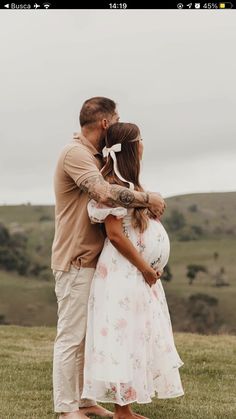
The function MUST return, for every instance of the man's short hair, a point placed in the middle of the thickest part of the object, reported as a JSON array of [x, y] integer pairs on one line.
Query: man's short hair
[[95, 109]]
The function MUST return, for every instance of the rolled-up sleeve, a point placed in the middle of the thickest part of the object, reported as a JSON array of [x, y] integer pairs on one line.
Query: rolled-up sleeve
[[80, 164]]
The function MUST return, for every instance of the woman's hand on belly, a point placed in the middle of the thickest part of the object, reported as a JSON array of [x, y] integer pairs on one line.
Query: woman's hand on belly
[[150, 276]]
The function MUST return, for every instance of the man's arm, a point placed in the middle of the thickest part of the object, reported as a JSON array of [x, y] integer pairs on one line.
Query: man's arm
[[115, 195], [80, 166]]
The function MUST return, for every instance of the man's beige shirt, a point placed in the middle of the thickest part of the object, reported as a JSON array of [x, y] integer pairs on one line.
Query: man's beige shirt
[[76, 240]]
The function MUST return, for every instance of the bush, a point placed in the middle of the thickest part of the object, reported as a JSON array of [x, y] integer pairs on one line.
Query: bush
[[13, 256], [202, 313], [175, 221], [18, 240], [193, 208], [4, 235], [197, 230], [3, 319], [45, 218], [192, 271], [36, 269], [14, 260], [167, 275], [189, 233]]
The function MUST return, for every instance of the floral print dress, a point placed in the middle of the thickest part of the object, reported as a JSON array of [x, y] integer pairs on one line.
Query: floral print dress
[[130, 355]]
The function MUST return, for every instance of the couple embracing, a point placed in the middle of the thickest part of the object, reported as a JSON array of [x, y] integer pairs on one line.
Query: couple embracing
[[114, 341]]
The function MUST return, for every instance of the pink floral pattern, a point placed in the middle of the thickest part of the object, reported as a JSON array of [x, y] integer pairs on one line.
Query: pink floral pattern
[[130, 353], [104, 331], [130, 394], [101, 270]]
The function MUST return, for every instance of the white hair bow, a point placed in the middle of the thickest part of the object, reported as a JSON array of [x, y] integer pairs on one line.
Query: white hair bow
[[116, 148]]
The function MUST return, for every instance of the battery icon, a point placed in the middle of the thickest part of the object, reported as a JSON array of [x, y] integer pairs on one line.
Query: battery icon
[[226, 5]]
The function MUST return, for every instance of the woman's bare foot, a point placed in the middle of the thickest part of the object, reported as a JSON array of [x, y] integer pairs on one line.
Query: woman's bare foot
[[124, 412], [97, 410], [73, 415]]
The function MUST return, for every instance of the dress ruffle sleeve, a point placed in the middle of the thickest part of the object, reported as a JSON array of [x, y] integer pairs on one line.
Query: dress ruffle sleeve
[[98, 212]]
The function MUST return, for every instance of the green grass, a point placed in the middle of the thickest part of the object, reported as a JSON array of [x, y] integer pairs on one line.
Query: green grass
[[216, 212], [208, 376], [32, 302], [201, 252], [27, 301], [24, 214]]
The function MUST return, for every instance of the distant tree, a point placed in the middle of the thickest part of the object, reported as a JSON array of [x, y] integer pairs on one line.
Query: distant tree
[[216, 255], [197, 230], [18, 240], [8, 258], [23, 265], [203, 313], [4, 235], [3, 319], [36, 269], [167, 275], [192, 271], [14, 260], [175, 221], [13, 255], [45, 217], [193, 208]]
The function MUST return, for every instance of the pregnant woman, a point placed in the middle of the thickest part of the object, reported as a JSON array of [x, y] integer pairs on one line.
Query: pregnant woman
[[130, 352]]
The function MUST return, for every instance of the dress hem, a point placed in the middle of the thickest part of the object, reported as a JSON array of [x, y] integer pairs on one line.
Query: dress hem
[[100, 400]]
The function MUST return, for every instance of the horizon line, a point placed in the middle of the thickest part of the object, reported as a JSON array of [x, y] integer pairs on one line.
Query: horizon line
[[29, 203]]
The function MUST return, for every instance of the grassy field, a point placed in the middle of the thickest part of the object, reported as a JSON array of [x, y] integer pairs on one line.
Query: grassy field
[[201, 252], [27, 301], [208, 376], [32, 302]]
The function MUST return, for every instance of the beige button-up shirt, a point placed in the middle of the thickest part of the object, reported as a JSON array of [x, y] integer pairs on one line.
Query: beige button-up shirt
[[76, 240]]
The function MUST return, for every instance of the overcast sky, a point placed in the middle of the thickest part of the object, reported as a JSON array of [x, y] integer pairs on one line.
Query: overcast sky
[[172, 72]]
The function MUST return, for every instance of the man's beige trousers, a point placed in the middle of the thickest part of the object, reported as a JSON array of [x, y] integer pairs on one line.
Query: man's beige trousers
[[72, 292]]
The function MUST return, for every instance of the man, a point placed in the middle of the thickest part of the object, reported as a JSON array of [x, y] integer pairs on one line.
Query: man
[[77, 245]]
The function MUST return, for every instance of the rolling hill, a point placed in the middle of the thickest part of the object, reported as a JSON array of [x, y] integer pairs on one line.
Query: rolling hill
[[202, 229]]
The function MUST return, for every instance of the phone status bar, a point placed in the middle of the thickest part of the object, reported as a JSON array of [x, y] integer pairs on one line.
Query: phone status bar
[[129, 4], [226, 5]]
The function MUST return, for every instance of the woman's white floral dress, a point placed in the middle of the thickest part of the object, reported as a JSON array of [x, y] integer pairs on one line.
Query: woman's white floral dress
[[130, 353]]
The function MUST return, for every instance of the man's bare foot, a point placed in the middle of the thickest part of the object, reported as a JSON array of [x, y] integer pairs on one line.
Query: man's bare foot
[[97, 410], [73, 415]]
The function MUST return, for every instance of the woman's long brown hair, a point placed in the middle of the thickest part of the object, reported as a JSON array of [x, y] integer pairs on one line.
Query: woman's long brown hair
[[128, 163]]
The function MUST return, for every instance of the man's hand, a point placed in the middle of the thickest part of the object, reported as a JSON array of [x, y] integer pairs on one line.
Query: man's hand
[[157, 204]]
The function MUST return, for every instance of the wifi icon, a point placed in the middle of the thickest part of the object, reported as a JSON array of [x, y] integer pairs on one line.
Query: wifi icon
[[46, 5]]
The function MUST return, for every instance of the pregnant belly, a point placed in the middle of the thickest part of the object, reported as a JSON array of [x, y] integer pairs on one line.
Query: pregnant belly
[[156, 245]]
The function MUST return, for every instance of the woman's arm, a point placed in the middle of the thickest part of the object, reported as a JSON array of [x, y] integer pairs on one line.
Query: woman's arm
[[115, 233]]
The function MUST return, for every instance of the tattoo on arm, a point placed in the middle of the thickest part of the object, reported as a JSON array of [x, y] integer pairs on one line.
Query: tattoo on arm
[[112, 195], [121, 195], [91, 186]]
